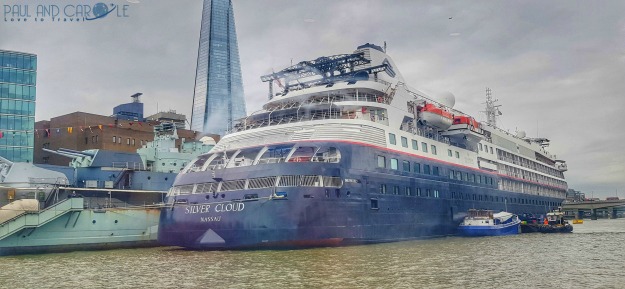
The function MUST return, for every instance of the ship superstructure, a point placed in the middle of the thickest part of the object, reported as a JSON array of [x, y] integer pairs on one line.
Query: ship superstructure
[[345, 152]]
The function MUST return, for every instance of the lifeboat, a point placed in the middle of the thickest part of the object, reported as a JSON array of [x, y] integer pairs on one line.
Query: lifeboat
[[470, 122], [435, 116]]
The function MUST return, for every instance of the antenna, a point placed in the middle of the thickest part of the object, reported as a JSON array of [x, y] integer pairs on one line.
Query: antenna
[[492, 111], [384, 46], [135, 97]]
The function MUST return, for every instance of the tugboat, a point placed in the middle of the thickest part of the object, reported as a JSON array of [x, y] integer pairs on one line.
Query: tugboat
[[553, 223], [485, 223]]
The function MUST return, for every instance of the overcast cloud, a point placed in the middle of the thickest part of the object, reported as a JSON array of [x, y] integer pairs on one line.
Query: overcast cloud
[[557, 67]]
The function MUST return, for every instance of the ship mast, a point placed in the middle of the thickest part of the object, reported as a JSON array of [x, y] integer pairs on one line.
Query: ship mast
[[492, 110]]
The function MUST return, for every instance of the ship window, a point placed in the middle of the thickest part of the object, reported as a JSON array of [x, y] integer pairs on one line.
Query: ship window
[[406, 166], [382, 188], [435, 171], [303, 154], [289, 181], [119, 140], [185, 190], [457, 155], [391, 138], [491, 150], [404, 142], [327, 155], [458, 175], [408, 191], [481, 148], [424, 147], [310, 181], [428, 193], [395, 190], [332, 182], [415, 145], [275, 155], [394, 164], [472, 178], [433, 149], [451, 174], [486, 148], [479, 179], [259, 183], [381, 162], [374, 204], [449, 153], [250, 196], [436, 195], [127, 141], [232, 185], [114, 139], [426, 169], [197, 164], [417, 168], [246, 157], [418, 192], [133, 141], [206, 188], [465, 177]]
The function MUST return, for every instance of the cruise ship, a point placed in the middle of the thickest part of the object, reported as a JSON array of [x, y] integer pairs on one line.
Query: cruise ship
[[345, 152]]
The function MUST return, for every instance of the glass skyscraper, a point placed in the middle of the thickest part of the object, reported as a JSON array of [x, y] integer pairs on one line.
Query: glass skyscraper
[[18, 74], [218, 99]]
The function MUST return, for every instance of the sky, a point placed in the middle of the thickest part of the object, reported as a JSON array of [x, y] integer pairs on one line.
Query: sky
[[556, 67]]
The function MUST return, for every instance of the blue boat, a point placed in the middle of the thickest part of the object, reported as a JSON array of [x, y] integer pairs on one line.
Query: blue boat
[[485, 223]]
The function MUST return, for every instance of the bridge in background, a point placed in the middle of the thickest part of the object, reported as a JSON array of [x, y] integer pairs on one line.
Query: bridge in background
[[579, 208]]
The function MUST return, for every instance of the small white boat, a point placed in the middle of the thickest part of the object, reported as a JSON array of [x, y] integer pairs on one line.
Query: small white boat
[[485, 223]]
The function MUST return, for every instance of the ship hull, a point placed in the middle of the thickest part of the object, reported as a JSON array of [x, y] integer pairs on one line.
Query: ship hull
[[495, 230], [359, 212], [87, 229]]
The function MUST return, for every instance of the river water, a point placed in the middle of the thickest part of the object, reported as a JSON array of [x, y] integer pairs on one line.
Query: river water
[[593, 256]]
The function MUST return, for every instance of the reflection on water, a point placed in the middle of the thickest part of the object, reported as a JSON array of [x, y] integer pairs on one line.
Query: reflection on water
[[593, 256]]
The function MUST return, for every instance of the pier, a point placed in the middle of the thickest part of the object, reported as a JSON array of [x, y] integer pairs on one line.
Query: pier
[[579, 208]]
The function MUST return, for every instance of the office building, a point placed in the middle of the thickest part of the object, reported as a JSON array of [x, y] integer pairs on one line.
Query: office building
[[218, 97], [18, 75]]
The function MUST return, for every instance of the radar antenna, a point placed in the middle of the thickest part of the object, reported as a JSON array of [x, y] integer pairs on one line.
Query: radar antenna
[[492, 111]]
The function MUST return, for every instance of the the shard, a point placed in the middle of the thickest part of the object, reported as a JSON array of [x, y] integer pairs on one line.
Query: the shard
[[218, 98]]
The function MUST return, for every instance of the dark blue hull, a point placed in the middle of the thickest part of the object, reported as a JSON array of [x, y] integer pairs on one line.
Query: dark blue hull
[[359, 212]]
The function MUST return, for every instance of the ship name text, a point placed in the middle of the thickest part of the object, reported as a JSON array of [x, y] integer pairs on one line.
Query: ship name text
[[217, 208]]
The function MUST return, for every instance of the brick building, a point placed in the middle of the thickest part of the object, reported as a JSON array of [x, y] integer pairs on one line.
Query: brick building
[[83, 131]]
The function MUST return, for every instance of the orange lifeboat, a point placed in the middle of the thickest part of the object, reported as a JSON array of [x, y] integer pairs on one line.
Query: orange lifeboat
[[467, 120], [435, 116]]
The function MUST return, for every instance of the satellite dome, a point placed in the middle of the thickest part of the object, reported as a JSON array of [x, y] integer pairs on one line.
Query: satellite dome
[[447, 99], [207, 140], [520, 134]]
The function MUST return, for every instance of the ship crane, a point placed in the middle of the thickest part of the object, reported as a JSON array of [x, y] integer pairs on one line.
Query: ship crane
[[324, 70]]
